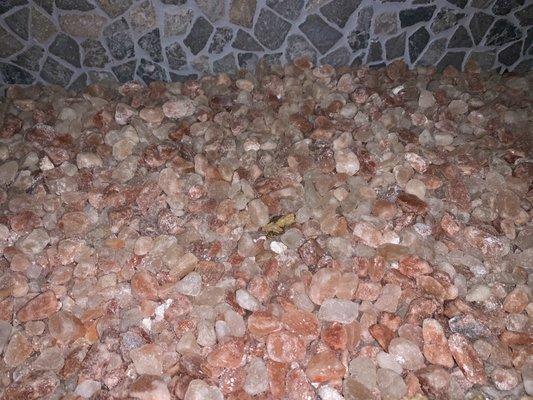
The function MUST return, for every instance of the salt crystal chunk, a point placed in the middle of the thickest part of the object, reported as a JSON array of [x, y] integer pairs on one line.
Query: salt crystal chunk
[[235, 323], [256, 377], [87, 388], [179, 108], [206, 333], [406, 353], [335, 310], [199, 390], [246, 300], [391, 384], [364, 371], [328, 393], [346, 162], [426, 99], [190, 285], [148, 359], [385, 360], [278, 247]]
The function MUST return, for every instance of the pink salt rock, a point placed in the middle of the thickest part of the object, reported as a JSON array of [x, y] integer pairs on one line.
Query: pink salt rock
[[301, 323], [277, 373], [40, 307], [285, 347], [324, 367], [34, 386], [144, 285], [323, 285], [435, 381], [123, 113], [74, 223], [505, 379], [17, 351], [517, 300], [436, 348], [413, 266], [148, 387], [262, 323], [148, 359], [406, 353], [65, 327], [466, 357], [179, 108], [368, 234], [489, 245], [229, 354], [298, 387]]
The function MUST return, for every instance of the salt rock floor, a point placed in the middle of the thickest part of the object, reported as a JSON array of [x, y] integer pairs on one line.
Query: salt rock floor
[[302, 233]]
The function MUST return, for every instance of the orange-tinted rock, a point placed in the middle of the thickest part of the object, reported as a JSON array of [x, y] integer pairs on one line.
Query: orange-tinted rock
[[33, 386], [466, 357], [449, 225], [435, 381], [144, 285], [411, 203], [384, 209], [436, 348], [40, 307], [323, 285], [369, 291], [262, 323], [276, 377], [285, 347], [335, 335], [229, 354], [516, 301], [74, 223], [301, 323], [413, 266], [231, 380], [298, 387], [324, 367], [382, 334], [17, 351], [65, 327]]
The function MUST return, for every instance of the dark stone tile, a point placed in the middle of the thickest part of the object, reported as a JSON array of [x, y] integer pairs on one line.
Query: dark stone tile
[[433, 53], [174, 2], [12, 74], [417, 43], [95, 54], [212, 9], [375, 52], [247, 61], [245, 41], [504, 7], [453, 58], [79, 84], [339, 11], [485, 59], [18, 22], [151, 43], [510, 54], [386, 23], [298, 46], [337, 58], [319, 33], [225, 64], [242, 12], [458, 3], [30, 58], [358, 61], [114, 8], [524, 66], [56, 73], [525, 15], [178, 22], [9, 45], [364, 19], [415, 15], [445, 19], [528, 41], [479, 24], [358, 40], [46, 5], [273, 58], [502, 32], [182, 78], [150, 72], [142, 17], [395, 46], [118, 39], [481, 4], [222, 36], [176, 55], [460, 38], [270, 30], [289, 9], [7, 5], [199, 35], [66, 48], [78, 5], [41, 27], [124, 72]]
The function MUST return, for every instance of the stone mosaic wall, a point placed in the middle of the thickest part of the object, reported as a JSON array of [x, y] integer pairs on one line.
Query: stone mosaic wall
[[74, 42]]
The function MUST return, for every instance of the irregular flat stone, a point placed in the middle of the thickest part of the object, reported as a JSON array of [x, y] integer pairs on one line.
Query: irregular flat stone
[[339, 11], [375, 52], [56, 73], [433, 53], [502, 32], [417, 43], [18, 22], [177, 23], [30, 58], [248, 61], [15, 75], [242, 12], [337, 58], [213, 9], [124, 72], [509, 55], [46, 5], [222, 36], [8, 5], [79, 83], [119, 40], [319, 33], [245, 41], [458, 3], [289, 9], [199, 35], [525, 16], [479, 24], [225, 64], [149, 72], [87, 25], [504, 7], [386, 23], [364, 19], [42, 28], [95, 54], [142, 17], [298, 46], [270, 29], [66, 48], [395, 46], [151, 43], [413, 16], [358, 40], [460, 38], [485, 59], [175, 55], [453, 58], [9, 45], [445, 19], [104, 77], [114, 8], [40, 307], [77, 5]]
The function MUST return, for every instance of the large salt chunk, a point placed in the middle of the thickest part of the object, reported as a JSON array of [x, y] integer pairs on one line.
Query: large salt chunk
[[256, 377], [199, 390], [246, 300], [346, 162], [335, 310]]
